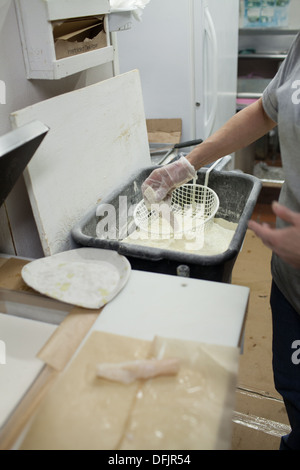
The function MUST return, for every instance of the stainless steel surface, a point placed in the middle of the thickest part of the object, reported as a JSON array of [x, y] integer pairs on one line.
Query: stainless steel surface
[[157, 147], [249, 95], [268, 31], [266, 55], [163, 153], [156, 159], [16, 150], [210, 168], [33, 306]]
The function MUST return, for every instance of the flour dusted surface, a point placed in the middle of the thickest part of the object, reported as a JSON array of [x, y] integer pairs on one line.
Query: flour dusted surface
[[215, 239]]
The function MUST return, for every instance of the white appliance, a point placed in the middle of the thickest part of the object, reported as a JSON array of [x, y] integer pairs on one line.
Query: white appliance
[[186, 52]]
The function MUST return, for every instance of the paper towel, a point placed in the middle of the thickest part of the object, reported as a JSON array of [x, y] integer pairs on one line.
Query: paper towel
[[136, 6]]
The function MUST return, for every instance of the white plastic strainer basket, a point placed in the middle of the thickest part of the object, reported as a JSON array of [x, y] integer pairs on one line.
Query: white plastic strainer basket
[[192, 206]]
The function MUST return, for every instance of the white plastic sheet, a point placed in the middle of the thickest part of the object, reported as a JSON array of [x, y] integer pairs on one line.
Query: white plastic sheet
[[136, 6]]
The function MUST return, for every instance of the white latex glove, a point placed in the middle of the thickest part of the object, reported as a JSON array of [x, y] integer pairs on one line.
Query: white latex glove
[[163, 180]]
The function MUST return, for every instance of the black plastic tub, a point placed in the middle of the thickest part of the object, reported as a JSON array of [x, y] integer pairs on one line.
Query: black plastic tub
[[237, 193]]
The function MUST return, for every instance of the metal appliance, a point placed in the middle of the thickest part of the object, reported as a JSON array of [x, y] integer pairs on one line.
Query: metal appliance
[[16, 150]]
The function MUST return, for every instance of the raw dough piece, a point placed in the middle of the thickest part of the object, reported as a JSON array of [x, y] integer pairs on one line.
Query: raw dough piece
[[86, 277], [81, 412], [127, 372], [190, 410], [86, 284]]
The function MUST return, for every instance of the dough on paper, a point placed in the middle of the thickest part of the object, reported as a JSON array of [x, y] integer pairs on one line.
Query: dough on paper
[[190, 410]]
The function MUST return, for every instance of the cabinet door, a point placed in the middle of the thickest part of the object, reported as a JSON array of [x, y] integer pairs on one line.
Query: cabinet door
[[36, 19], [186, 51], [216, 52], [161, 47], [58, 9]]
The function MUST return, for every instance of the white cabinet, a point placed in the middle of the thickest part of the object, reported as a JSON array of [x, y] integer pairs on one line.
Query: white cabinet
[[186, 53], [62, 37]]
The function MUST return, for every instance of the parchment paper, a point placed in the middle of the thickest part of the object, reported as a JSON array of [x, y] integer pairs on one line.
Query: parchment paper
[[82, 411], [189, 411]]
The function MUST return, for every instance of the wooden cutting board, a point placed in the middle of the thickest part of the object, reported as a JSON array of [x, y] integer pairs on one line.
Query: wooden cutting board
[[97, 139]]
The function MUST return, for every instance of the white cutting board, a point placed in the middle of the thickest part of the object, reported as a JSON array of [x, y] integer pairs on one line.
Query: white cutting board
[[176, 307], [97, 139], [23, 339]]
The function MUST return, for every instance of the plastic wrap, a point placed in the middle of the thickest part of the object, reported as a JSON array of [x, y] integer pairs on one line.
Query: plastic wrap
[[192, 410], [136, 6], [189, 410]]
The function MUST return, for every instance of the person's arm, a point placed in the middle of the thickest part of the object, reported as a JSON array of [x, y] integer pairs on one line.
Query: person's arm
[[241, 130]]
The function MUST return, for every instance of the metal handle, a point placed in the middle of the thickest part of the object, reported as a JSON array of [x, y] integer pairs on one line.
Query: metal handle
[[188, 143], [210, 169]]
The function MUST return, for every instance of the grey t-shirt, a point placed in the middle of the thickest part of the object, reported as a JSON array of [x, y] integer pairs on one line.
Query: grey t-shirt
[[281, 101]]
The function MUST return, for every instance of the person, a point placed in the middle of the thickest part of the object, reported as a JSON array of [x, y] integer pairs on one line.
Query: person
[[278, 106]]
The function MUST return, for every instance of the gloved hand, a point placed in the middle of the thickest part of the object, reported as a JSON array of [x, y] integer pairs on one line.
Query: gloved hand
[[163, 180]]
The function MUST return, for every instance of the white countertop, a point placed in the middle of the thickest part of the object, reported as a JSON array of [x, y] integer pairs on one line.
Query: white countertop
[[152, 304], [193, 309]]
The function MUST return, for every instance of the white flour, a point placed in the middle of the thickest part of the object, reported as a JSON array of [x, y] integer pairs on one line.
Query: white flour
[[215, 239]]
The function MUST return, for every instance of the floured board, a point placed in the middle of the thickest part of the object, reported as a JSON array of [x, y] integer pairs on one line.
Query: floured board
[[97, 139]]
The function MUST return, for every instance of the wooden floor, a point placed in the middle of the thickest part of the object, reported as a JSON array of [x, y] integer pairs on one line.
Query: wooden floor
[[263, 214], [260, 418]]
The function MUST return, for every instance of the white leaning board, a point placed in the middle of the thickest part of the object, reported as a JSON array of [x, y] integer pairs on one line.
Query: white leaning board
[[97, 139]]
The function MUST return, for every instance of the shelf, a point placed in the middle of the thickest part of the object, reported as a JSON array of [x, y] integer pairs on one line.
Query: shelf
[[268, 31], [263, 55], [246, 95], [83, 40]]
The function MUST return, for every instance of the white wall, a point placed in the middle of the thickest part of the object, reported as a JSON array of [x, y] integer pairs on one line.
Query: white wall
[[18, 234]]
